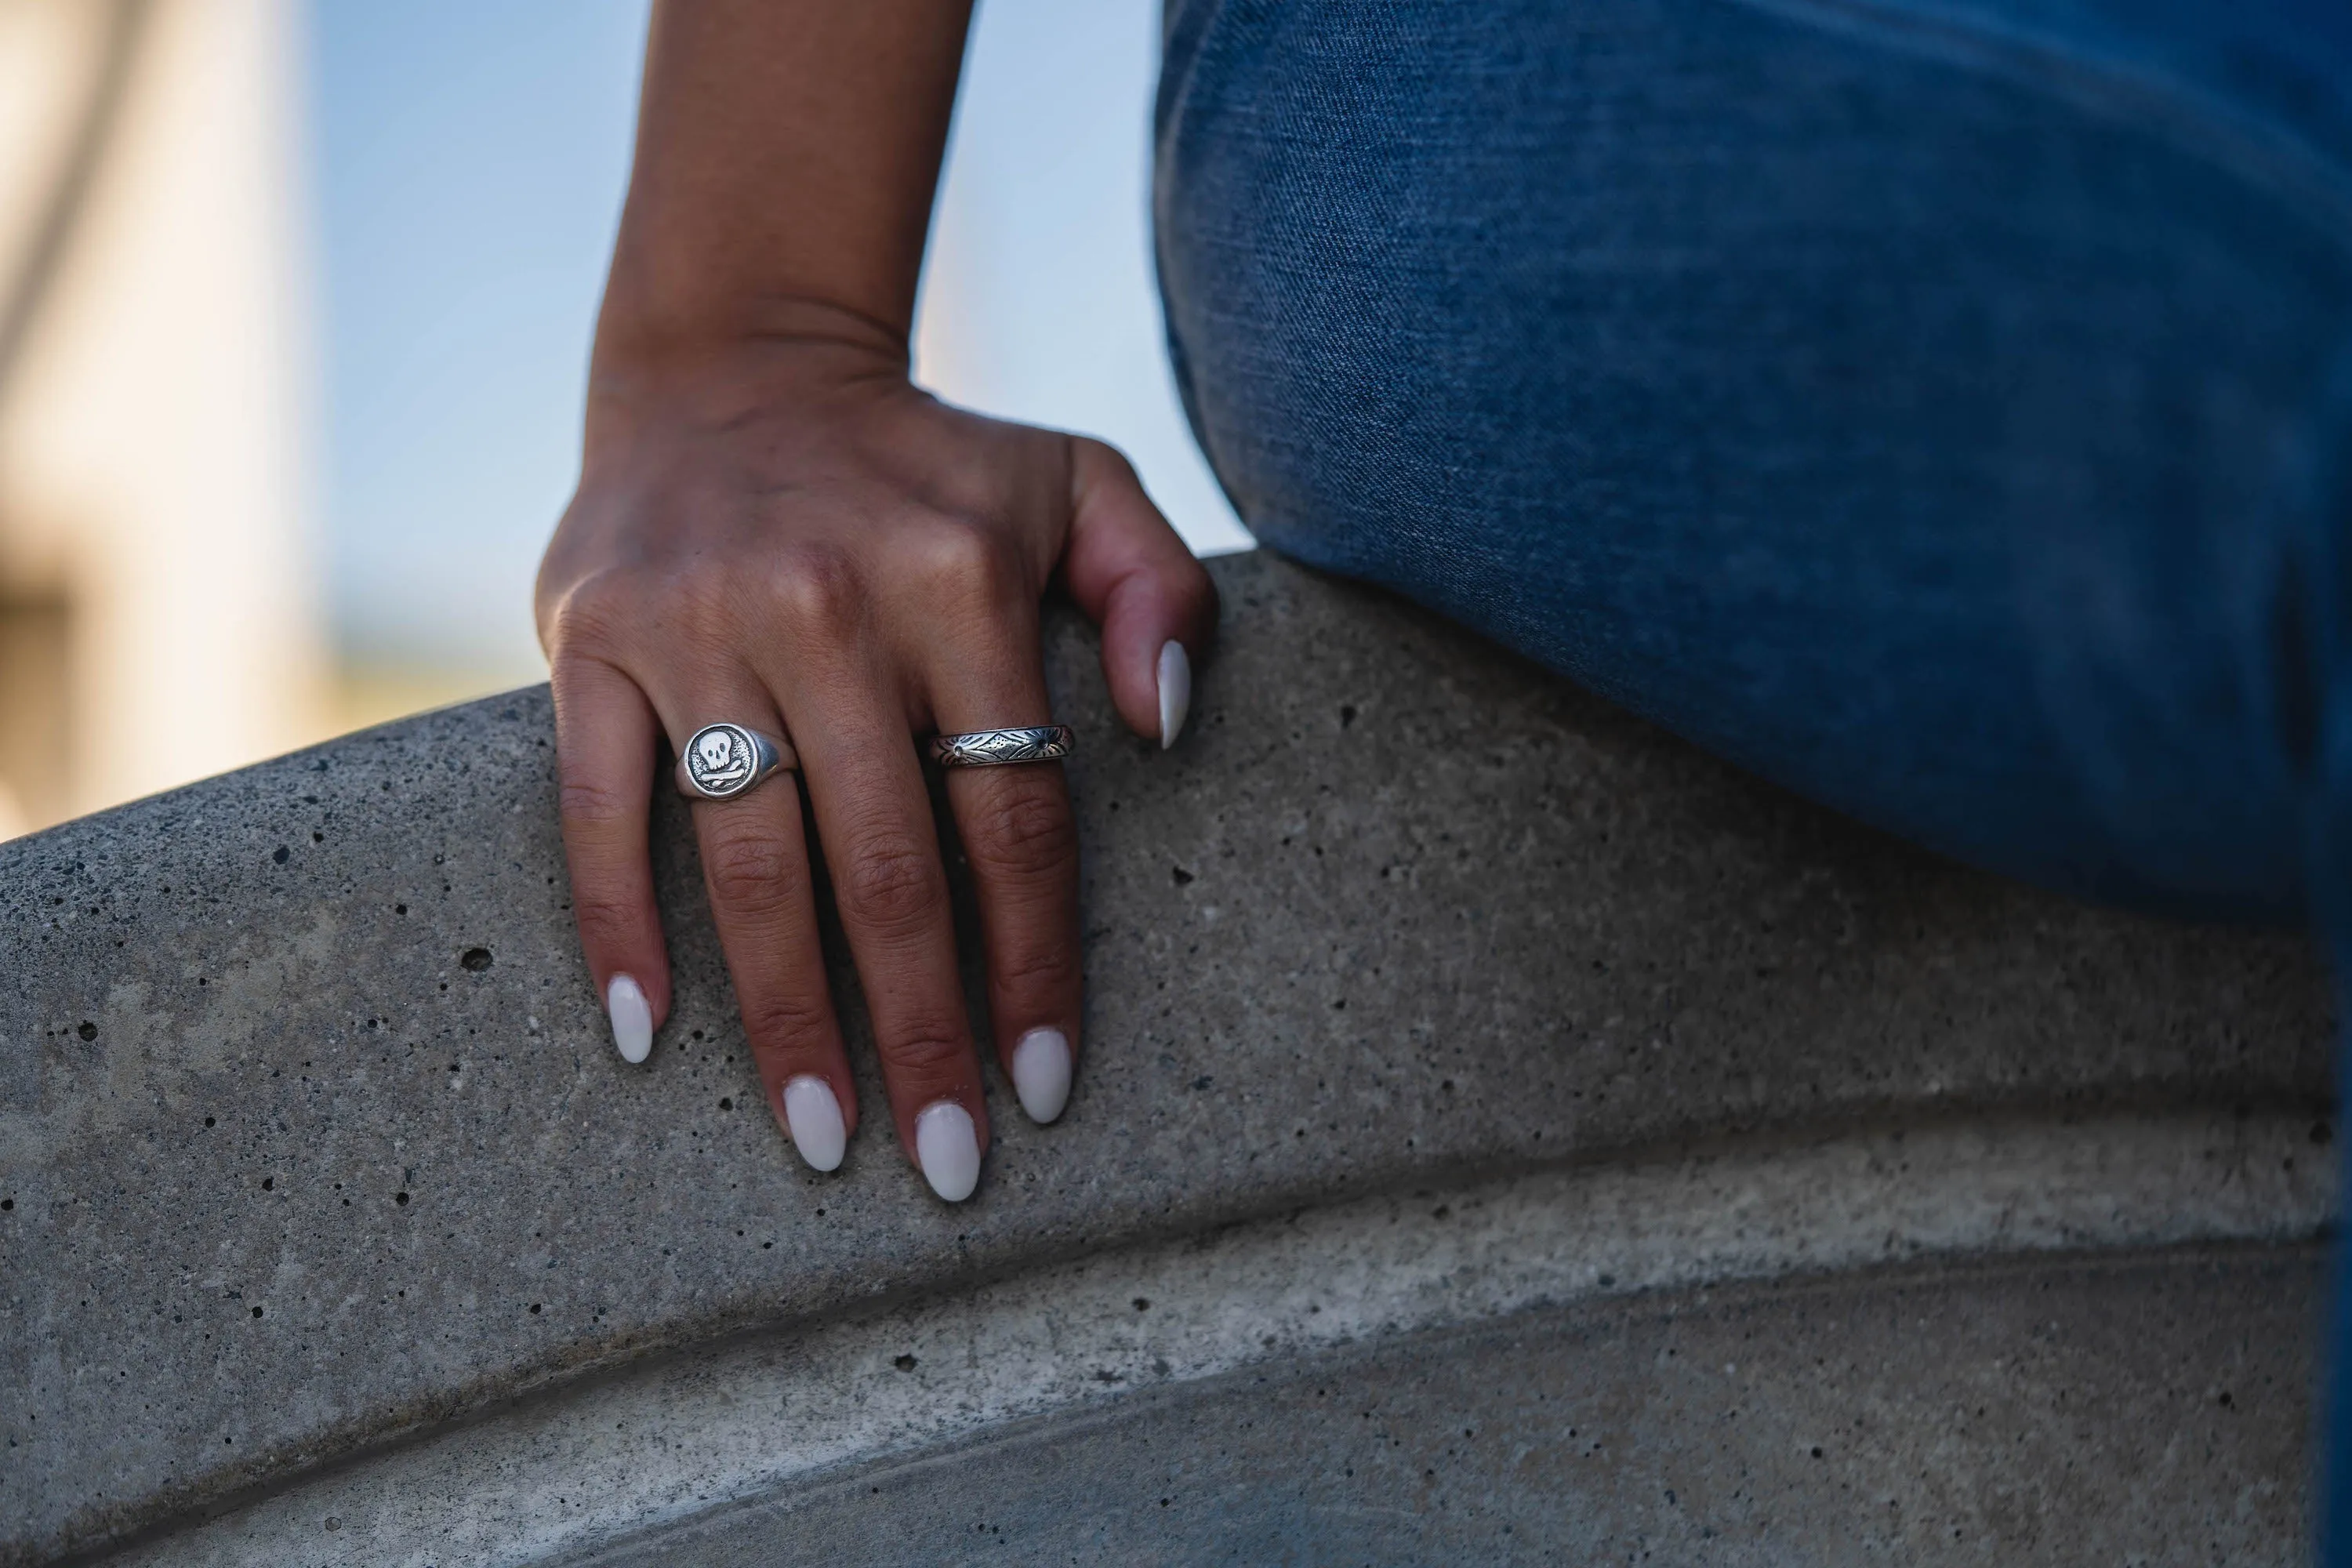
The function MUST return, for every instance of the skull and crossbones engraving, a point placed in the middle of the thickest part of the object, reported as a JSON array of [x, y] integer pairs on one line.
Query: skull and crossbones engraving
[[719, 758]]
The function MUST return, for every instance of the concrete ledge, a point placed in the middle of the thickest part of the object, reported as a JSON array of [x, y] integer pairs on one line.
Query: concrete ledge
[[312, 1138], [767, 1421], [1938, 1415]]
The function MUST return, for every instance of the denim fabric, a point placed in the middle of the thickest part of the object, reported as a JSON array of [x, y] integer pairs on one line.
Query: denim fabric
[[1919, 414], [1942, 409]]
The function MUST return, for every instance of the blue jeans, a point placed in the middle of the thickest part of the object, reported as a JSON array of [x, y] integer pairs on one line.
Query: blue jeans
[[1942, 407]]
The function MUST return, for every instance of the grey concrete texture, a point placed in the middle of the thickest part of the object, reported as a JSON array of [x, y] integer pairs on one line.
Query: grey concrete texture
[[649, 1447], [2148, 1411], [312, 1135]]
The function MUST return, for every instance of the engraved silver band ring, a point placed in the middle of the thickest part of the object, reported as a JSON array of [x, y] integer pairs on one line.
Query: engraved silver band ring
[[996, 748], [723, 761]]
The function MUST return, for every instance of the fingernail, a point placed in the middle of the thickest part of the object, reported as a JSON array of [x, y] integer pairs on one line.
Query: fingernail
[[1175, 691], [633, 1018], [815, 1117], [947, 1149], [1041, 1073]]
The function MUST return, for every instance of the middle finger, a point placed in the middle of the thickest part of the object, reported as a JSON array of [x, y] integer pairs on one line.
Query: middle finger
[[874, 820]]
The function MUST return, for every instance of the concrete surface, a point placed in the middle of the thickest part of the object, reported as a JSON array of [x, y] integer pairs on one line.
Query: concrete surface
[[311, 1143], [1936, 1419], [755, 1426]]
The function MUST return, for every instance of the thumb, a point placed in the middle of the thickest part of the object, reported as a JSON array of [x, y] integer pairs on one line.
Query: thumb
[[1139, 581]]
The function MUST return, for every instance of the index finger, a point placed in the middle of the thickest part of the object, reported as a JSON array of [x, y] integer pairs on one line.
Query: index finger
[[604, 739]]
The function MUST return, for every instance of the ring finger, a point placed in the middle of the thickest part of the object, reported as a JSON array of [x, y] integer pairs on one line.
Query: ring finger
[[1023, 843]]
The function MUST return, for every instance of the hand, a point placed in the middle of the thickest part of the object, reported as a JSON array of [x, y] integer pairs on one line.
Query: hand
[[785, 533]]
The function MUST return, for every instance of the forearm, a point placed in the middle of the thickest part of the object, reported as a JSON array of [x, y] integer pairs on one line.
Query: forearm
[[787, 153]]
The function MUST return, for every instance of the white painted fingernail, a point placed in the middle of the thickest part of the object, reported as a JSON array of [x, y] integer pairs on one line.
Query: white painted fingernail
[[815, 1117], [1041, 1073], [949, 1150], [1175, 691], [633, 1018]]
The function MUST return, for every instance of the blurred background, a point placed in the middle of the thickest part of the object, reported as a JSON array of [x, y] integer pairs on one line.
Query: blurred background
[[295, 302]]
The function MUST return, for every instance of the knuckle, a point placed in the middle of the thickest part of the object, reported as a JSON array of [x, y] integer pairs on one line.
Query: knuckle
[[1110, 459], [593, 618], [1197, 592], [1047, 970], [594, 803], [964, 563], [1023, 831], [751, 874], [606, 922], [816, 585], [928, 1057], [618, 617], [787, 1021], [951, 547], [890, 885]]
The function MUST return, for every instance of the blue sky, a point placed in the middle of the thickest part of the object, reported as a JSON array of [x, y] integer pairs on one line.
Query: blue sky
[[468, 162]]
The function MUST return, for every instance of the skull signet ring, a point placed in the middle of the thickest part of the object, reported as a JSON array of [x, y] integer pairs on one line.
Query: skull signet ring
[[720, 762]]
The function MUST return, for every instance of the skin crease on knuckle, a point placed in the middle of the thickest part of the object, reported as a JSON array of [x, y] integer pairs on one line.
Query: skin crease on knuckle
[[753, 873], [607, 925], [925, 1063], [793, 1026], [1023, 831], [1038, 975], [889, 886], [592, 802]]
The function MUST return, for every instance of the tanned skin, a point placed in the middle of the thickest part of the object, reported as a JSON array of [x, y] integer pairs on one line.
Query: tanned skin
[[776, 527]]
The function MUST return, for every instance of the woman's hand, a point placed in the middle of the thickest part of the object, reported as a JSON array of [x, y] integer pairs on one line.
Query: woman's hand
[[774, 529], [782, 532]]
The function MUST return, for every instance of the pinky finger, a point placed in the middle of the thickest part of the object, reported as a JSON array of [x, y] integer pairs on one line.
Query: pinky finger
[[604, 736]]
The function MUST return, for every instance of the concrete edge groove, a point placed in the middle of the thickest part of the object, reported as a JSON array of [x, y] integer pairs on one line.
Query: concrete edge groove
[[561, 1477]]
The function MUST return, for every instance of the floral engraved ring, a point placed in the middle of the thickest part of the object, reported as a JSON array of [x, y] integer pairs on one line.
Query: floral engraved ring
[[997, 748]]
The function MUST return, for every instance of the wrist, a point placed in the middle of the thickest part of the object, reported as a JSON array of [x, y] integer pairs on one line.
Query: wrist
[[775, 351], [640, 339]]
